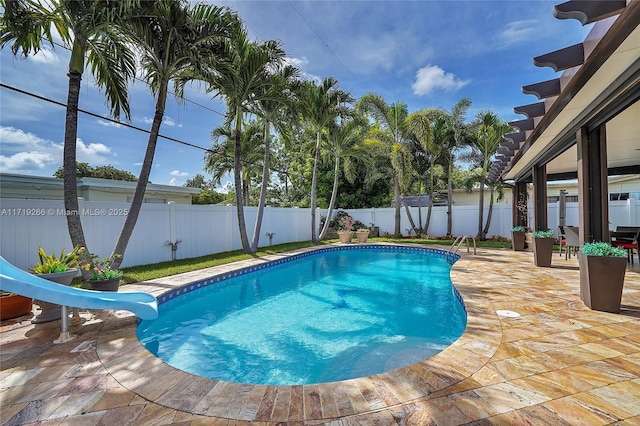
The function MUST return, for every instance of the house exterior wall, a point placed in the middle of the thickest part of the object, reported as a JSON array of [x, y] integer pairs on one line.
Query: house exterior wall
[[617, 185], [91, 189]]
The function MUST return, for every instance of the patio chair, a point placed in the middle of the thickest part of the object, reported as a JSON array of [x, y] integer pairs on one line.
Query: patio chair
[[572, 240], [629, 244], [561, 239]]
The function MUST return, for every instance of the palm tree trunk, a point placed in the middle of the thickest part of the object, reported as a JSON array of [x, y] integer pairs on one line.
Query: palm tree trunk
[[237, 171], [407, 209], [420, 227], [263, 190], [314, 185], [74, 223], [480, 210], [450, 197], [489, 214], [245, 190], [141, 186], [334, 195], [396, 198], [429, 211]]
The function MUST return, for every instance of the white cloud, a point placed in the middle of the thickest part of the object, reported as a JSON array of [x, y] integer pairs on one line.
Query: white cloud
[[517, 32], [109, 123], [25, 140], [94, 153], [166, 121], [24, 151], [178, 173], [173, 182], [297, 62], [45, 56], [432, 77], [25, 161]]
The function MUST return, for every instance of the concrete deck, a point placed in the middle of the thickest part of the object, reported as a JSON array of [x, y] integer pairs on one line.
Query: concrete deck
[[557, 363]]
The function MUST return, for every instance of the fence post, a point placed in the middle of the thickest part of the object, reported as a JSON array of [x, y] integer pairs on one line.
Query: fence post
[[229, 226]]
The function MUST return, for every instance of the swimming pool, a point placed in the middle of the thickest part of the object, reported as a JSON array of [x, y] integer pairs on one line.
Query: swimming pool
[[328, 315]]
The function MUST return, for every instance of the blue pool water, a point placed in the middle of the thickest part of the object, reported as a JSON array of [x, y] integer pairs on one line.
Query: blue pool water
[[332, 315]]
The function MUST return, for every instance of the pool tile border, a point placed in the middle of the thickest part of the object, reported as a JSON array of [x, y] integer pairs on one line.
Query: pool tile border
[[223, 276]]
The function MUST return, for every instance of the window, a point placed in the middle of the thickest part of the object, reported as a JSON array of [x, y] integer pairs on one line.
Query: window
[[150, 200], [618, 196]]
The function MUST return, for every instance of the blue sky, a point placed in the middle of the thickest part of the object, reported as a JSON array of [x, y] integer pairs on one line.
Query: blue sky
[[425, 53]]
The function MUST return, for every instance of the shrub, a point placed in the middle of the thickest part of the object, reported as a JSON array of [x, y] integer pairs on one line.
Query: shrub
[[543, 234], [602, 249]]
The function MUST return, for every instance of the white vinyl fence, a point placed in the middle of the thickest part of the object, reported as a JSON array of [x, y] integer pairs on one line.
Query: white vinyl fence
[[27, 224]]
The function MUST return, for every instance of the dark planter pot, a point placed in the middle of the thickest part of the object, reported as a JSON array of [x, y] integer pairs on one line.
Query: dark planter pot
[[14, 305], [543, 251], [517, 240], [601, 282], [51, 311], [104, 285]]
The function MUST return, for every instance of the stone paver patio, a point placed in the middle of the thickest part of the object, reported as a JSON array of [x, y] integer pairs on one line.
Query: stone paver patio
[[558, 363]]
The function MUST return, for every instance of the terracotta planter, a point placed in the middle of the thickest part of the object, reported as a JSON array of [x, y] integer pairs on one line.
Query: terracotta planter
[[51, 311], [345, 236], [543, 251], [517, 240], [13, 305], [104, 285], [601, 281], [362, 236]]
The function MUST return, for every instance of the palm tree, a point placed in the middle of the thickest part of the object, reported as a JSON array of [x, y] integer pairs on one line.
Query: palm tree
[[485, 143], [343, 144], [454, 137], [219, 159], [93, 32], [174, 41], [273, 106], [419, 126], [320, 105], [242, 81], [390, 134]]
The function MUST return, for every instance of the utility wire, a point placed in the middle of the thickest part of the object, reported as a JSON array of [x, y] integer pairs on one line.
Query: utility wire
[[131, 126], [93, 114], [327, 46]]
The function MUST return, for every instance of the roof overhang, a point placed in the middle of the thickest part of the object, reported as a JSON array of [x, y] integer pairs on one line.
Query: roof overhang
[[605, 88]]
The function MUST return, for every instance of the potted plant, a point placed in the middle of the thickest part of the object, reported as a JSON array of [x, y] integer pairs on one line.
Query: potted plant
[[100, 275], [362, 234], [543, 247], [344, 226], [518, 237], [59, 269], [602, 270]]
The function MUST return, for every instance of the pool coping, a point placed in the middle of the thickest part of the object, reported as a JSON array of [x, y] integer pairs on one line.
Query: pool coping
[[152, 379]]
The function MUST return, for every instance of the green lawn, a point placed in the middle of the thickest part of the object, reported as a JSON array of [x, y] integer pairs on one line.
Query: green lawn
[[164, 269]]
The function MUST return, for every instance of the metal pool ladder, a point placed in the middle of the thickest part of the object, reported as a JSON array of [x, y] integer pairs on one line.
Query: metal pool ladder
[[459, 241]]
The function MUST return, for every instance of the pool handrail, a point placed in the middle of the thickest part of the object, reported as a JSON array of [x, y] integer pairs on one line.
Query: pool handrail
[[459, 241]]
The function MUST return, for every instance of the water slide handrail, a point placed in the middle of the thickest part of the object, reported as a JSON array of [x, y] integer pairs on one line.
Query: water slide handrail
[[15, 280]]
